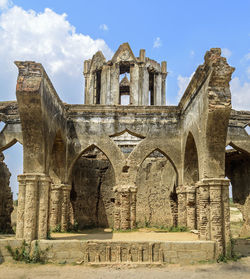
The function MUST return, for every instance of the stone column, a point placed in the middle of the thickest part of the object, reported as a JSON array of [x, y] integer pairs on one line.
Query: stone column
[[30, 212], [197, 206], [21, 206], [117, 209], [214, 213], [204, 208], [55, 200], [133, 208], [114, 84], [226, 216], [182, 213], [125, 209], [134, 85], [220, 214], [65, 206], [191, 205], [158, 92], [43, 213]]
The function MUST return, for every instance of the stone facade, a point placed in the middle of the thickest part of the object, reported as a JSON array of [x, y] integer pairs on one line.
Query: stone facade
[[184, 186]]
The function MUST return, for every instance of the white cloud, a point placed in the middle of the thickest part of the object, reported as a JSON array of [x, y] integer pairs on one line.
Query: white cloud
[[104, 27], [192, 53], [225, 52], [4, 4], [240, 94], [50, 39], [247, 56], [157, 43], [182, 84], [248, 72]]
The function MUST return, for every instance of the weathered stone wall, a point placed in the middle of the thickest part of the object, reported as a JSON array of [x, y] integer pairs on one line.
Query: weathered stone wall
[[6, 199], [155, 182], [92, 195], [119, 252]]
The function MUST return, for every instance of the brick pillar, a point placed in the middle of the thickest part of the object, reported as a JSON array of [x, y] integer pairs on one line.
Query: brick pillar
[[21, 206], [125, 209], [133, 208], [65, 206], [197, 190], [204, 208], [117, 216], [55, 202], [191, 205], [214, 213], [226, 217], [43, 213], [182, 213]]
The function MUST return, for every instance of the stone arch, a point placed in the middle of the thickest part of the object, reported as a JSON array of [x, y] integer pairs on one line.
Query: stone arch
[[145, 148], [109, 149], [191, 162], [92, 180], [156, 183], [57, 162]]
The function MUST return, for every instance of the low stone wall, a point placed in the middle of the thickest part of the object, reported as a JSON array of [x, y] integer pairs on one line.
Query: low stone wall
[[242, 247], [113, 252]]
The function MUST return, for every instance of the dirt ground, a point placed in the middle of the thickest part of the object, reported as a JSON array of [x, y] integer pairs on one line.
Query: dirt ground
[[231, 270], [141, 235]]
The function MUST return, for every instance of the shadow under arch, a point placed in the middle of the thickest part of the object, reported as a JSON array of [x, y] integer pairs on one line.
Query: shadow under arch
[[92, 178], [156, 182], [191, 161], [115, 159]]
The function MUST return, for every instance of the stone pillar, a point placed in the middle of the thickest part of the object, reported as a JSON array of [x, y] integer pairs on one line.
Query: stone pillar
[[191, 205], [182, 213], [226, 217], [43, 213], [55, 202], [197, 206], [114, 84], [214, 213], [204, 208], [65, 206], [125, 209], [133, 208], [117, 209], [163, 82], [158, 92], [30, 211], [134, 85], [21, 206]]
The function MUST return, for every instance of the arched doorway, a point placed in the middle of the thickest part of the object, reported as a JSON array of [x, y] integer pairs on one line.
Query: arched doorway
[[190, 177], [11, 165], [92, 196], [156, 194]]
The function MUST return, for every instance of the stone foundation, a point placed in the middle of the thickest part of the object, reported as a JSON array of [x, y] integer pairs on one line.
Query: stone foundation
[[119, 252]]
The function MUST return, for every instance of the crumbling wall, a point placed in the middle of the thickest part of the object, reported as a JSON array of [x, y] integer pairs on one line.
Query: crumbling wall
[[6, 200], [92, 194], [155, 185]]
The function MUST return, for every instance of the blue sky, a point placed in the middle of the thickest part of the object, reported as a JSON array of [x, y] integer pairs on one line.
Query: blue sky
[[61, 34]]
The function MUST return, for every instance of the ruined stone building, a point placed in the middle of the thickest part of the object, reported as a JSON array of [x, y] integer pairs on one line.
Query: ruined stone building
[[123, 158]]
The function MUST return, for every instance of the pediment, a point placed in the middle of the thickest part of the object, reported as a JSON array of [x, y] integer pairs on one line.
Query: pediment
[[124, 53], [97, 61], [127, 140]]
